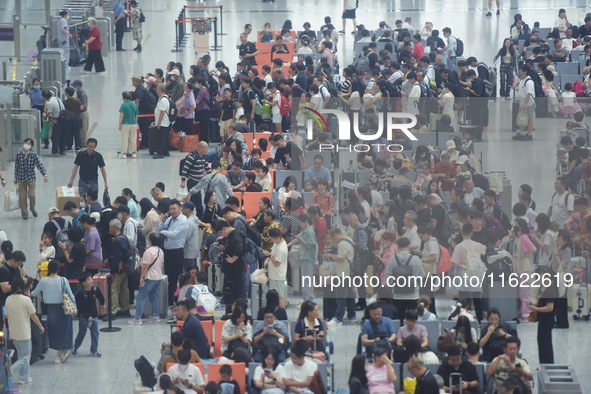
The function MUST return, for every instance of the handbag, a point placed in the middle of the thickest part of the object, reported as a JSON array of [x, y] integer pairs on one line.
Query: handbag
[[182, 193], [69, 304], [45, 129], [409, 385], [521, 120], [532, 317], [180, 105], [106, 198], [259, 277], [11, 200], [445, 342]]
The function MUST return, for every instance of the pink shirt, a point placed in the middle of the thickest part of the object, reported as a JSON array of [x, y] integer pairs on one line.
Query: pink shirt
[[377, 380], [388, 253], [526, 243]]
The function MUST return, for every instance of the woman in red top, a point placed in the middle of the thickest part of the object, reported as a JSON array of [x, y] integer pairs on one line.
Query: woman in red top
[[323, 199], [320, 227], [93, 45]]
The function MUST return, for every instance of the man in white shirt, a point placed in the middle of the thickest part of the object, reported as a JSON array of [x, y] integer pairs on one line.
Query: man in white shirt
[[299, 370], [276, 263], [471, 192], [410, 225], [185, 376], [527, 95], [162, 120], [323, 90], [316, 101], [562, 203], [275, 104], [450, 49], [249, 37], [396, 73], [567, 42], [415, 93], [130, 225]]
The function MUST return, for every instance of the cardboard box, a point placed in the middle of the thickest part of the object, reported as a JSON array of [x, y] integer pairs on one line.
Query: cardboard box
[[64, 194]]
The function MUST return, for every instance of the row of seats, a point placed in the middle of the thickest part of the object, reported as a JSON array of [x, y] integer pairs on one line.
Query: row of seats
[[436, 328], [213, 373], [213, 332]]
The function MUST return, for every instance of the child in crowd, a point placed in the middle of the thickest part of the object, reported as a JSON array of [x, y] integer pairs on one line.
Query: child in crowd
[[569, 106], [423, 178], [227, 384], [184, 285], [86, 299], [46, 248], [310, 185], [467, 142], [199, 287], [212, 388], [239, 110], [225, 159]]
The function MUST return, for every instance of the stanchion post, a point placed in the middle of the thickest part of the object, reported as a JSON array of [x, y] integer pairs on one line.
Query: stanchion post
[[110, 328], [222, 22], [176, 44], [215, 34]]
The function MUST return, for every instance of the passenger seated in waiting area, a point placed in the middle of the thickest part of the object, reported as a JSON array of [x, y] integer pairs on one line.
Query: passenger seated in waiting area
[[463, 332], [411, 347], [494, 335], [227, 384], [454, 364], [505, 366], [236, 333], [299, 371], [270, 334], [186, 376], [412, 328], [378, 330], [171, 350], [268, 377]]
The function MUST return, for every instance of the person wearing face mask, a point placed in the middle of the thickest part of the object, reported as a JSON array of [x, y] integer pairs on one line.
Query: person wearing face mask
[[24, 177], [37, 102]]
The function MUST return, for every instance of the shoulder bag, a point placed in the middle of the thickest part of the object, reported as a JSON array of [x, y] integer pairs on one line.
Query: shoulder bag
[[69, 304]]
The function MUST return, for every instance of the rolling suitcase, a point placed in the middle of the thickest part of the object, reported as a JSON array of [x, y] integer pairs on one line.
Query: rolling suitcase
[[257, 295], [581, 308], [189, 143], [457, 377], [215, 279], [100, 281], [163, 300], [154, 139], [37, 343], [214, 130]]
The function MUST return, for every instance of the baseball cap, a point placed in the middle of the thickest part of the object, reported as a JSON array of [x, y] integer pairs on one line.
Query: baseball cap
[[137, 77], [77, 83], [53, 210], [123, 208], [435, 196], [96, 216], [463, 159], [189, 205], [174, 72], [450, 144]]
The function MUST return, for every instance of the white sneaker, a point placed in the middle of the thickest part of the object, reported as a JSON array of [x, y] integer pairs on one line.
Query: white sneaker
[[134, 156], [334, 322], [134, 322], [153, 319], [123, 156], [66, 355], [25, 381]]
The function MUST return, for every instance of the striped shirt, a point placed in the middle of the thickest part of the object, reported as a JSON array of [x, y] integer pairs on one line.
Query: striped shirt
[[195, 167], [24, 167]]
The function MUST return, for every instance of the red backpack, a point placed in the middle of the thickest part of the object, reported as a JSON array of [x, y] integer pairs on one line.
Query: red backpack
[[444, 263], [284, 106], [579, 89]]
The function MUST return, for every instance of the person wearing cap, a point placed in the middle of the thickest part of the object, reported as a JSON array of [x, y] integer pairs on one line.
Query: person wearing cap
[[83, 98], [464, 167], [136, 24], [128, 118], [191, 249], [93, 45], [176, 87]]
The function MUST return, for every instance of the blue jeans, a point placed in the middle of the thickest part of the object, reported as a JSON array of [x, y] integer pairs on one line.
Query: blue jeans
[[212, 156], [94, 333], [84, 186], [20, 369], [150, 288], [451, 63]]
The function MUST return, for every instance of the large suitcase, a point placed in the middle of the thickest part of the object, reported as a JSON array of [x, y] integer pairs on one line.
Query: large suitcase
[[154, 140], [215, 279], [580, 302], [100, 281], [37, 350], [163, 300], [257, 296], [514, 113], [541, 107], [189, 143], [213, 130]]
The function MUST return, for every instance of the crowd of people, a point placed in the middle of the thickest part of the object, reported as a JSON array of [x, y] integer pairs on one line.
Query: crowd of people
[[419, 214]]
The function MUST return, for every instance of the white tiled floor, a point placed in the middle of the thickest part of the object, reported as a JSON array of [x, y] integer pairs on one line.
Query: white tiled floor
[[525, 163]]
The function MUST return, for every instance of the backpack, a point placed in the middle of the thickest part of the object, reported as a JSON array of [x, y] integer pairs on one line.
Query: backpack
[[142, 17], [480, 181], [148, 101], [146, 371], [444, 262], [399, 270], [499, 264], [284, 106], [554, 195], [140, 242], [495, 226], [258, 110], [362, 62], [206, 302], [490, 83], [172, 110], [579, 89], [364, 256], [539, 92], [459, 47], [332, 88], [253, 234], [130, 259], [61, 234], [252, 254]]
